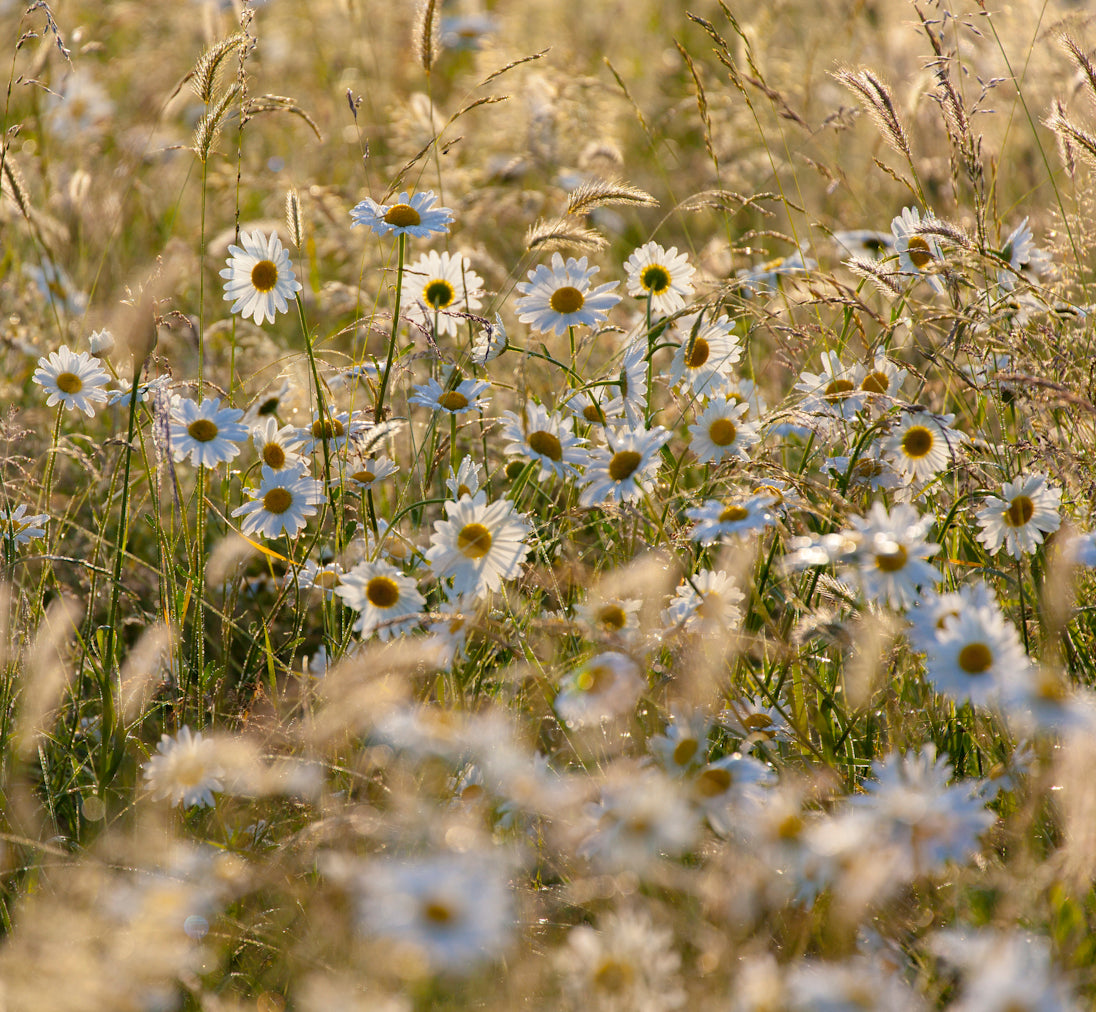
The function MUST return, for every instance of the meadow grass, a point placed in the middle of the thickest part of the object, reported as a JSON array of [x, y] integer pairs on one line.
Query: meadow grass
[[568, 505]]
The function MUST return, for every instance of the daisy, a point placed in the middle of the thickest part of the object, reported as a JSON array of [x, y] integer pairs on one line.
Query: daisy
[[707, 601], [410, 215], [883, 379], [479, 545], [754, 721], [274, 445], [833, 391], [557, 297], [184, 770], [975, 656], [280, 504], [1027, 511], [336, 429], [611, 616], [892, 554], [922, 444], [467, 395], [259, 277], [490, 341], [386, 601], [718, 519], [864, 242], [683, 747], [632, 380], [765, 278], [323, 576], [704, 359], [19, 529], [72, 379], [466, 482], [931, 611], [437, 287], [663, 276], [1020, 254], [607, 685], [622, 471], [206, 433], [916, 253], [542, 437], [726, 789], [368, 471], [868, 471], [721, 431]]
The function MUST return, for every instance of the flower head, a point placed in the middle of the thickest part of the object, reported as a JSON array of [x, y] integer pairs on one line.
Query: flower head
[[892, 554], [409, 215], [917, 254], [705, 358], [544, 438], [623, 470], [1027, 509], [557, 297], [206, 433], [17, 527], [721, 431], [922, 444], [663, 276], [259, 277], [184, 770], [281, 504], [385, 600], [438, 287], [73, 380], [479, 545], [467, 395]]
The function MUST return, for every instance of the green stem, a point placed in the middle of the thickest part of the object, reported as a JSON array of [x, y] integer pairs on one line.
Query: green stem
[[378, 411]]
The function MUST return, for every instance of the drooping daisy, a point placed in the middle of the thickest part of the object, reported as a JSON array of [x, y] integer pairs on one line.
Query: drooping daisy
[[754, 721], [706, 601], [324, 576], [259, 277], [663, 276], [1027, 510], [917, 254], [975, 655], [409, 215], [438, 285], [892, 553], [467, 395], [184, 769], [623, 470], [479, 545], [335, 428], [833, 391], [764, 279], [705, 358], [1020, 255], [864, 242], [282, 502], [466, 482], [386, 601], [72, 379], [632, 380], [275, 445], [605, 686], [18, 528], [721, 431], [922, 444], [731, 518], [362, 474], [543, 437], [557, 297], [206, 433]]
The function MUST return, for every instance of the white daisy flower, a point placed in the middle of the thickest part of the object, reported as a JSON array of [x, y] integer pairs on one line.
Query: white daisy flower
[[478, 546], [754, 721], [438, 285], [18, 528], [704, 360], [467, 395], [883, 379], [1021, 254], [543, 437], [682, 748], [490, 341], [721, 431], [323, 576], [1027, 510], [386, 601], [72, 379], [892, 553], [663, 276], [631, 380], [624, 470], [930, 612], [605, 686], [466, 482], [335, 428], [832, 392], [611, 616], [706, 601], [764, 279], [206, 433], [259, 277], [281, 504], [922, 444], [557, 297], [869, 470], [864, 242], [363, 474], [718, 519], [184, 769], [726, 789], [409, 215], [274, 445], [917, 254]]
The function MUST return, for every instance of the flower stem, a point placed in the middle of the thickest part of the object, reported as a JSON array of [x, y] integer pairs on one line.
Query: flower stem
[[378, 411]]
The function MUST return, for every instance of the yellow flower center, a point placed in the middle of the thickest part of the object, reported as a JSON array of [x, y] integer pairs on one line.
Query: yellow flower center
[[453, 400], [919, 251], [685, 750], [867, 468], [722, 432], [69, 383], [327, 428], [733, 514], [474, 541], [277, 500], [566, 300], [1019, 511], [917, 442], [838, 388], [438, 294], [757, 722], [698, 354], [713, 782], [612, 617], [328, 579], [624, 464], [202, 430], [382, 592], [613, 976], [655, 279], [592, 413], [546, 444], [264, 276], [975, 658], [274, 456], [463, 490], [402, 216], [894, 561], [438, 912], [875, 383], [363, 477], [595, 679]]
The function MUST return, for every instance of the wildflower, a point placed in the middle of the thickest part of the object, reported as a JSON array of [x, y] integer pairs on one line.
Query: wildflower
[[754, 721], [704, 359], [663, 276], [892, 553], [883, 380], [466, 482], [368, 471], [466, 31], [467, 395], [100, 342], [917, 254], [324, 576], [544, 438], [930, 612], [259, 277], [80, 110], [438, 286], [409, 215], [20, 529], [73, 380], [869, 470], [184, 769], [557, 297], [206, 433], [721, 431], [281, 504], [833, 391], [274, 445], [336, 429], [706, 601], [1020, 255], [922, 444], [611, 616], [490, 342], [479, 545], [718, 519], [764, 279], [622, 471], [385, 600], [448, 636], [864, 242], [607, 685], [1027, 510], [56, 287], [725, 788], [683, 747]]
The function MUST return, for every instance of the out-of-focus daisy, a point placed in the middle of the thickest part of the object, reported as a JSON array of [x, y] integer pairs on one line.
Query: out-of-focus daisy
[[1027, 510], [281, 504], [724, 789], [364, 473], [705, 358], [184, 770], [478, 546], [892, 554], [663, 276], [438, 285], [466, 481], [718, 519], [18, 528], [764, 279], [410, 215], [605, 686], [335, 428], [544, 437], [1079, 549], [922, 444], [722, 431], [467, 395], [682, 748], [386, 601], [610, 616], [72, 379], [864, 242], [927, 617], [917, 254], [622, 471], [869, 470], [275, 445], [56, 287], [466, 31], [834, 391], [323, 576], [81, 108], [632, 380], [557, 297], [754, 721], [206, 433], [259, 277], [448, 636], [704, 602], [100, 342]]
